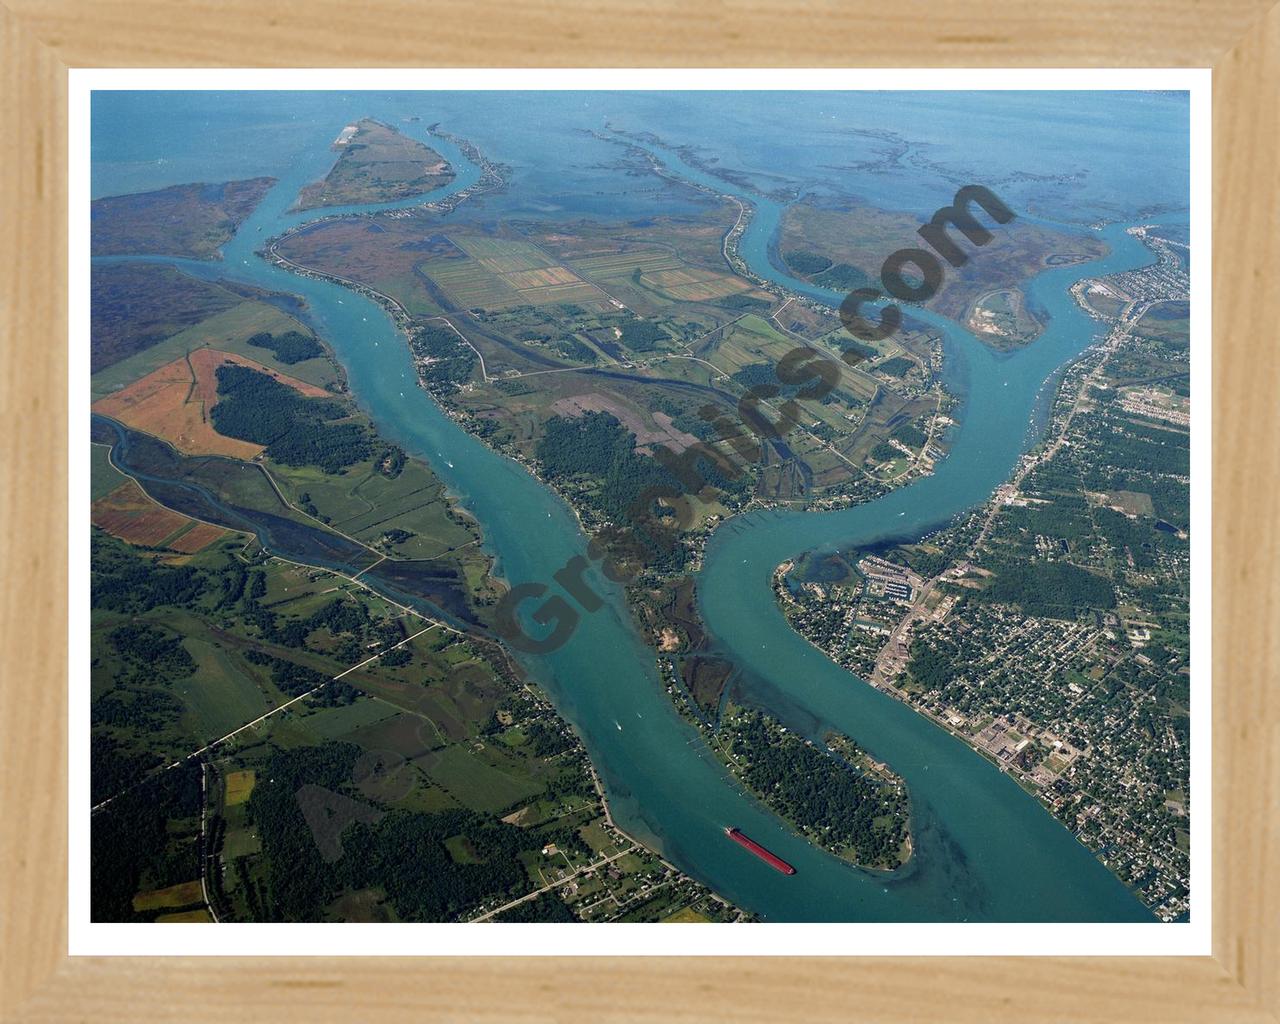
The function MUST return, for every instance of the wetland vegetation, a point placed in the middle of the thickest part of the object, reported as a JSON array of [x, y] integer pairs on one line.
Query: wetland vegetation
[[183, 220]]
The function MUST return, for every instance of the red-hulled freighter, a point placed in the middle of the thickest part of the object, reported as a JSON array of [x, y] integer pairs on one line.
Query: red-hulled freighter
[[772, 860]]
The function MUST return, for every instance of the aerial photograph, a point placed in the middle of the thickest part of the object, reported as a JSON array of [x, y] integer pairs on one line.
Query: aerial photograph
[[638, 507]]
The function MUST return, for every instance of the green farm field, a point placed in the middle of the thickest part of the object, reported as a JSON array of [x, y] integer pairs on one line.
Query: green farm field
[[654, 280], [753, 341], [502, 273], [366, 504], [342, 723], [103, 477], [484, 780]]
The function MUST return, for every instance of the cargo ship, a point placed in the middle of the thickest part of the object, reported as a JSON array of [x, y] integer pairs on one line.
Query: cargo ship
[[772, 860]]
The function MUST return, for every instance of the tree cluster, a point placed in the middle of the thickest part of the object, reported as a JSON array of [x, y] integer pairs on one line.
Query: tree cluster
[[448, 359], [642, 335], [806, 263], [296, 431], [290, 347], [1048, 589], [120, 581]]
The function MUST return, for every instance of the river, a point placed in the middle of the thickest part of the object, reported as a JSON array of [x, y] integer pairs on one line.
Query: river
[[985, 850]]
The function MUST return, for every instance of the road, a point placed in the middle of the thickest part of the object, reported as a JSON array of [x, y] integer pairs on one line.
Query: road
[[205, 856], [556, 884]]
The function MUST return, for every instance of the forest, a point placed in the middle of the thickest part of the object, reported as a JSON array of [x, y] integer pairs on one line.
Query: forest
[[296, 431], [545, 908], [120, 581], [133, 841], [764, 377], [1068, 516], [898, 366], [597, 445], [1155, 451], [404, 854], [1054, 590], [574, 349], [299, 881], [157, 651], [884, 452], [839, 277], [911, 435], [806, 263], [641, 335], [842, 277], [596, 448], [742, 301], [817, 791]]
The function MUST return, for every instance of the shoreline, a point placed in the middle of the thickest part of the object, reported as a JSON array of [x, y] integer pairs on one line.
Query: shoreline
[[692, 712]]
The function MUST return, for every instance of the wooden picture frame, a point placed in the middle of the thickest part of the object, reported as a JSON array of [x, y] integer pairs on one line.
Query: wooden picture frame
[[42, 39]]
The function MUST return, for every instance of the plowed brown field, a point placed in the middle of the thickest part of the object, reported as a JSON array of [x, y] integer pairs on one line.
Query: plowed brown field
[[173, 403]]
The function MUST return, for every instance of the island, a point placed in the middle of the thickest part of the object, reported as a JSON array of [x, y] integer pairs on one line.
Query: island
[[830, 791], [376, 164], [549, 340]]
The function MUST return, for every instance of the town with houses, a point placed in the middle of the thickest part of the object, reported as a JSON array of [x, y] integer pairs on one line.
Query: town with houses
[[1047, 629]]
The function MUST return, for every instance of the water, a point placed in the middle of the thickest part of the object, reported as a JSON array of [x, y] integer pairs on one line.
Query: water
[[985, 850]]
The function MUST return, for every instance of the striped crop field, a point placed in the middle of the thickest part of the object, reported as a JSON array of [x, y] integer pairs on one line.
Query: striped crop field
[[695, 285], [623, 264], [503, 256]]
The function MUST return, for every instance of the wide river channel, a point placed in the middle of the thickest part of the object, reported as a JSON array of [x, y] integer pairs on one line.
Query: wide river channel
[[984, 849]]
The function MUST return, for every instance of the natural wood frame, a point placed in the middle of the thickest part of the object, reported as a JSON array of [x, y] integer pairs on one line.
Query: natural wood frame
[[40, 39]]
